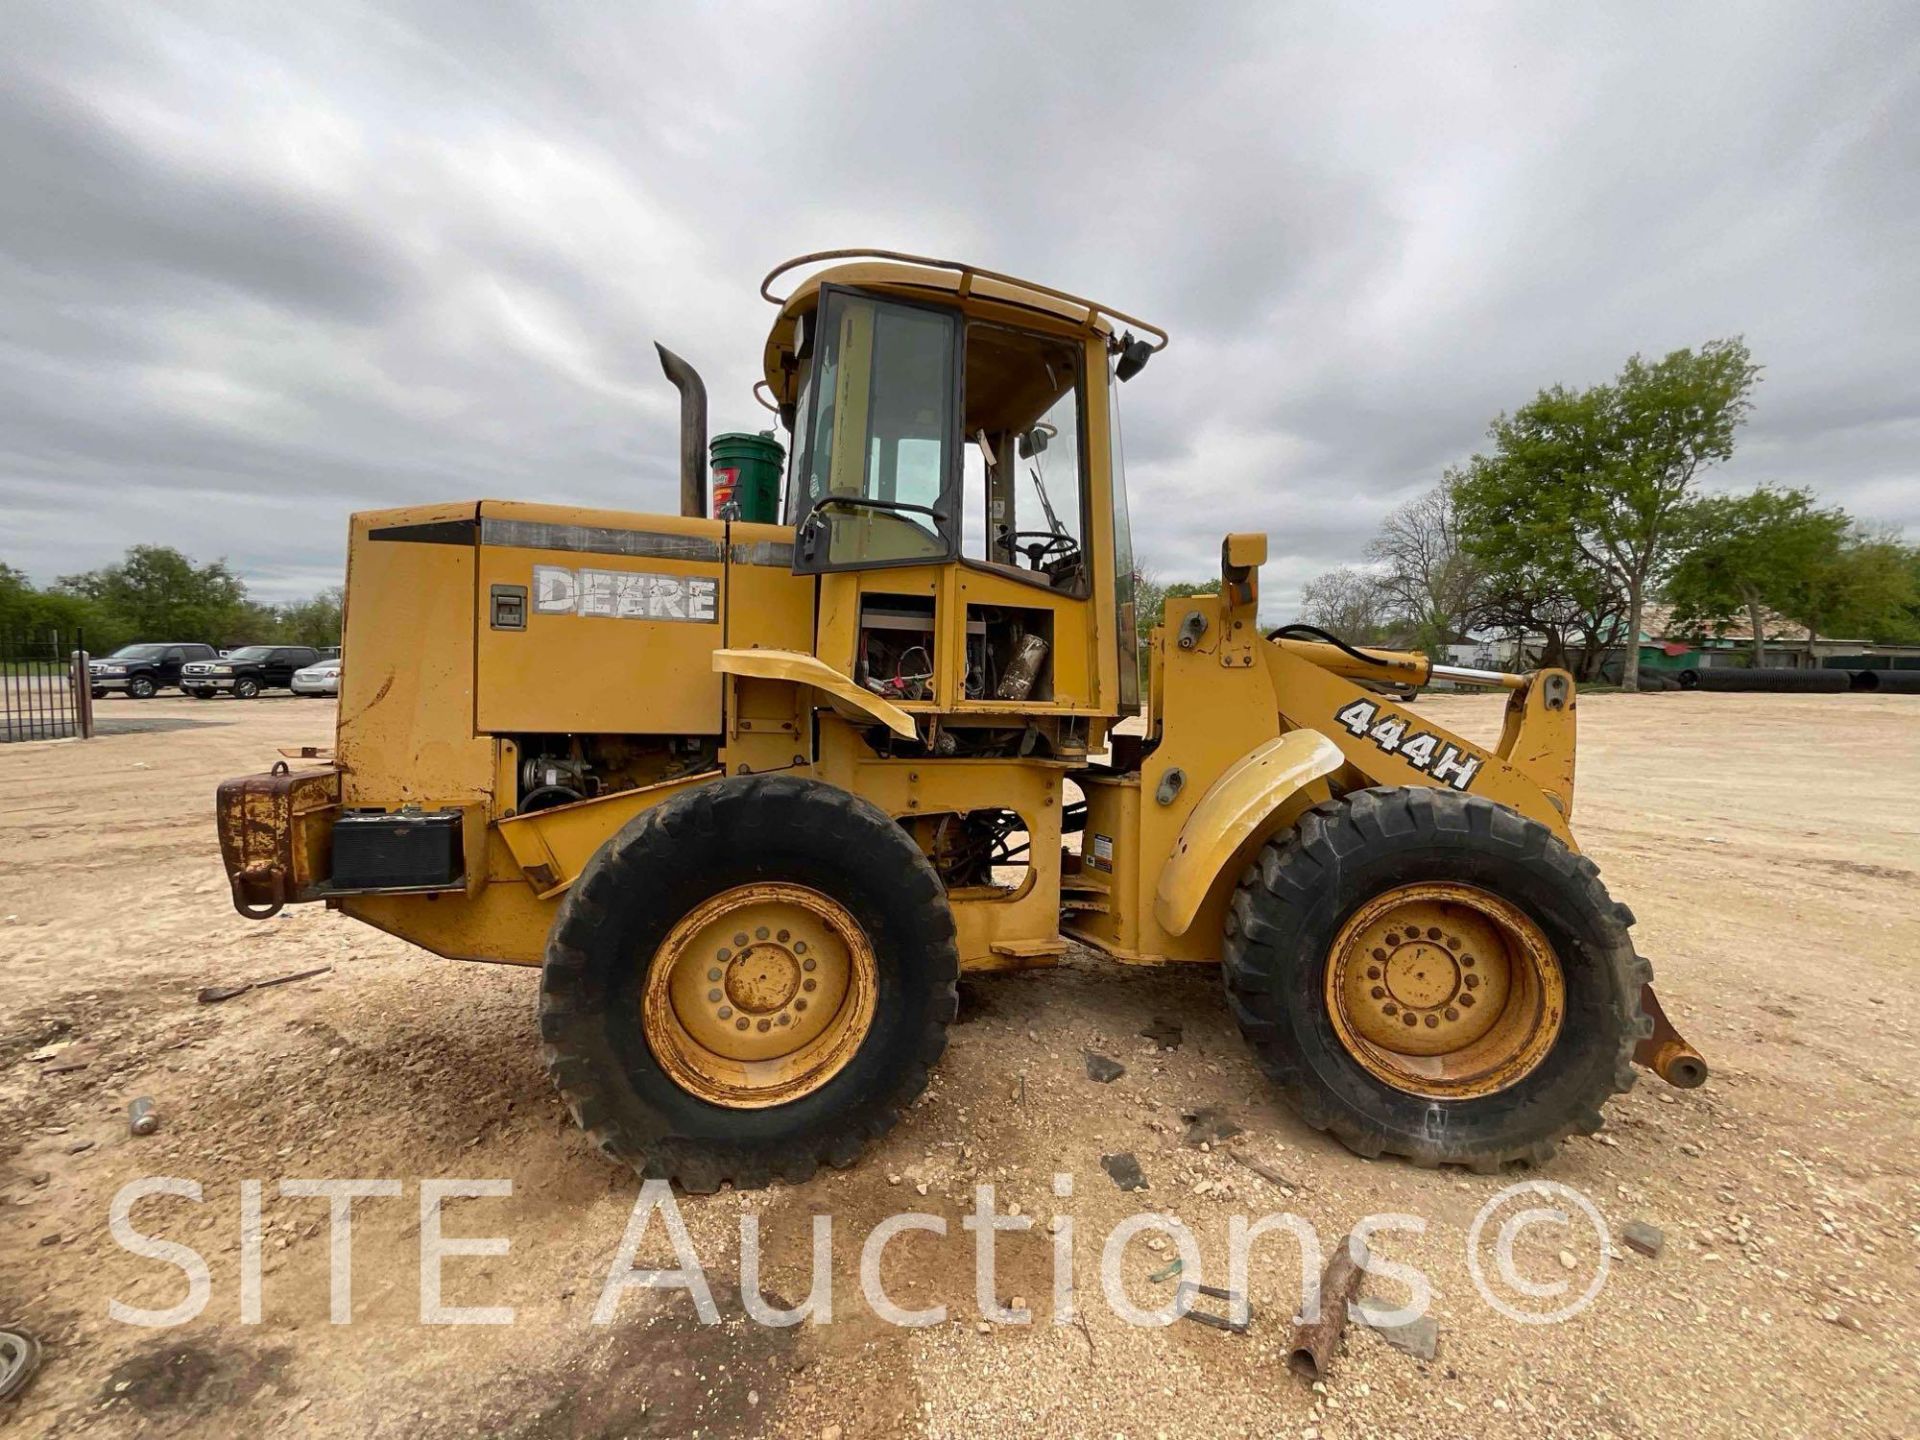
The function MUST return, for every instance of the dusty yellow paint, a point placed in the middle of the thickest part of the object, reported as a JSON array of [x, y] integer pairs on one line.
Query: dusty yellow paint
[[553, 846], [1242, 731], [1247, 799], [798, 669]]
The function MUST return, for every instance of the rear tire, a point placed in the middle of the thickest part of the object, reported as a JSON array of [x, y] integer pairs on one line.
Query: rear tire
[[628, 1087], [1294, 904]]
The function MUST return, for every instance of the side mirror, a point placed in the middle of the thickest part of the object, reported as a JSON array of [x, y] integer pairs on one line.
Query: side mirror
[[1134, 355]]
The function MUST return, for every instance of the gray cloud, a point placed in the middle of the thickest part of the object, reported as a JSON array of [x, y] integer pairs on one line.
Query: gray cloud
[[261, 265]]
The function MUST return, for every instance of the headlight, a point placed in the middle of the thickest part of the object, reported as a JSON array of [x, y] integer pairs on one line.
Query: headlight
[[112, 669], [220, 669]]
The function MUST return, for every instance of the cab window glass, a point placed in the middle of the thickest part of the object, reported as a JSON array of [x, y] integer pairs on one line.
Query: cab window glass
[[880, 435], [1025, 476]]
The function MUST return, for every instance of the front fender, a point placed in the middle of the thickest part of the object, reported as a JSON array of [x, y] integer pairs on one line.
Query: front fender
[[1238, 806]]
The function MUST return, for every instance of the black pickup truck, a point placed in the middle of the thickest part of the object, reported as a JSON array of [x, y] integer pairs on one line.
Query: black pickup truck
[[245, 672], [143, 670]]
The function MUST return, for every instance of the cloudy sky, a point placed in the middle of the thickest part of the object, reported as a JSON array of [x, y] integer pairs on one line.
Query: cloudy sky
[[262, 265]]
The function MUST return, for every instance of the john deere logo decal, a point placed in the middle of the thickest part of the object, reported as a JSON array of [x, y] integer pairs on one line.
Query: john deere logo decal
[[625, 594]]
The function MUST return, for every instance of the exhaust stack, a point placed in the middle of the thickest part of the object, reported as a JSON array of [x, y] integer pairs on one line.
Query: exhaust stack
[[693, 431]]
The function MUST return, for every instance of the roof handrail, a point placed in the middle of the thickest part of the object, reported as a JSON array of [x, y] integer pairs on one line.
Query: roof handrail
[[967, 274]]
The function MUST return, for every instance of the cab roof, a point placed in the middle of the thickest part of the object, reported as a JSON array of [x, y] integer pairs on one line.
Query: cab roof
[[980, 294]]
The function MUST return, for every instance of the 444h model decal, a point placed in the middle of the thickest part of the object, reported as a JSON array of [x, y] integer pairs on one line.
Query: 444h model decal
[[1448, 764]]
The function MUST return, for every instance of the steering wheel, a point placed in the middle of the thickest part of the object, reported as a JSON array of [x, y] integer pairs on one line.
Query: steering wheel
[[1044, 545]]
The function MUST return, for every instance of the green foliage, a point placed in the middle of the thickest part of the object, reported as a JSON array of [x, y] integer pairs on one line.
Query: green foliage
[[1598, 480], [1534, 578], [156, 593], [313, 622], [1748, 554], [1861, 588], [162, 595], [26, 611]]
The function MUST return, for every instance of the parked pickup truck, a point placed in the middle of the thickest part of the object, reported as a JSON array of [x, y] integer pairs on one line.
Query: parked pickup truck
[[245, 672], [143, 670]]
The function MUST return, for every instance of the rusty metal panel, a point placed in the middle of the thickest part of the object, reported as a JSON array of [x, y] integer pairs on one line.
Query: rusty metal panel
[[276, 835]]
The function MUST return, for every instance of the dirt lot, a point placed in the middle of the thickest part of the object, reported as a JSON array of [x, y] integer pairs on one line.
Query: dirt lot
[[1770, 845]]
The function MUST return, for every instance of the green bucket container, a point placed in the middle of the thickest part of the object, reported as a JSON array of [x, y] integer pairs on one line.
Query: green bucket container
[[746, 475]]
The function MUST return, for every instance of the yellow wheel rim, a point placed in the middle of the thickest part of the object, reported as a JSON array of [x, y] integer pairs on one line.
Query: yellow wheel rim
[[760, 995], [1444, 991]]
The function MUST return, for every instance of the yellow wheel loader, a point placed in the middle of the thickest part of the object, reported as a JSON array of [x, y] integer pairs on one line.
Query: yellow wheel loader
[[754, 793]]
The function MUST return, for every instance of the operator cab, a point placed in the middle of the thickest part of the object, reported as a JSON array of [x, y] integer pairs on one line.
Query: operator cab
[[943, 416], [921, 435]]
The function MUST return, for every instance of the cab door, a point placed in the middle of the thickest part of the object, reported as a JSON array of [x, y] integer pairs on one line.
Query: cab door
[[878, 479]]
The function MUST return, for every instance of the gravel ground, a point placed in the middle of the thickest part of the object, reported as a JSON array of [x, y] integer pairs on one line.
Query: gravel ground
[[1770, 845]]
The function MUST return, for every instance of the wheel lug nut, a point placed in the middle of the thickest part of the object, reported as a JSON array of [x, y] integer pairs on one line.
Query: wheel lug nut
[[809, 984], [1373, 972], [765, 1025], [1379, 952], [783, 936], [1473, 981], [1467, 960], [724, 955], [1432, 1021], [1390, 1008], [741, 939], [1466, 1000], [761, 933], [713, 997], [1452, 1014], [713, 974], [784, 1018], [808, 965], [1411, 1018], [726, 1012], [799, 947], [1393, 937], [741, 1023], [799, 1004], [1379, 992], [1433, 932]]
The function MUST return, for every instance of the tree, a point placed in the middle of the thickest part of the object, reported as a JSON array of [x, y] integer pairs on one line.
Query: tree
[[1751, 554], [29, 612], [313, 622], [1611, 469], [1349, 602], [1428, 576], [159, 594], [1863, 584], [1533, 579]]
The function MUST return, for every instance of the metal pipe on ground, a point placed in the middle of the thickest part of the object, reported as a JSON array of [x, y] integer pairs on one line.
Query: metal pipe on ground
[[1821, 682], [1310, 1350]]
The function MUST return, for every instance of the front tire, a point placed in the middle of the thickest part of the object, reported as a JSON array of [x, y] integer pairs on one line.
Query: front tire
[[1434, 976], [245, 688], [141, 687], [747, 981]]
